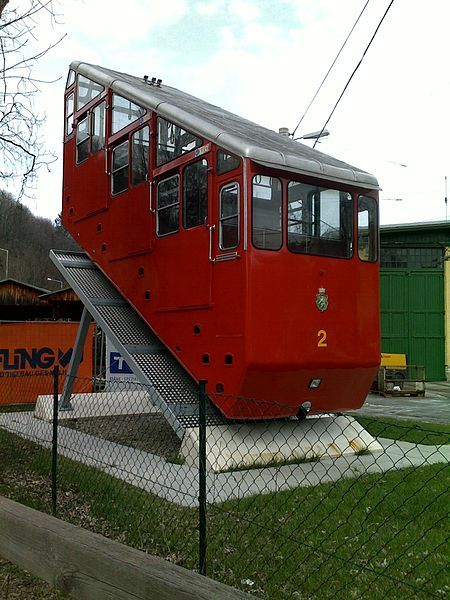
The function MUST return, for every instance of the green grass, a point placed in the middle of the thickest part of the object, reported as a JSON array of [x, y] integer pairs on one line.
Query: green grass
[[415, 432], [337, 539], [16, 407], [376, 536]]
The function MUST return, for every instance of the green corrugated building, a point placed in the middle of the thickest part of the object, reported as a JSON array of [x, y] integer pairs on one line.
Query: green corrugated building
[[415, 294]]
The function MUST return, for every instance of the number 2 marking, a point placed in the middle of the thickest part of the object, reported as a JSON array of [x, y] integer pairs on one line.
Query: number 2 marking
[[322, 335]]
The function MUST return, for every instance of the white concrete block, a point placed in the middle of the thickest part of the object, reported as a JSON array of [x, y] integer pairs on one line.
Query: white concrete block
[[240, 445], [98, 404], [179, 483]]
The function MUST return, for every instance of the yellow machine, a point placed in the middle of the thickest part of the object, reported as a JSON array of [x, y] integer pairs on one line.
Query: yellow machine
[[397, 378], [393, 361]]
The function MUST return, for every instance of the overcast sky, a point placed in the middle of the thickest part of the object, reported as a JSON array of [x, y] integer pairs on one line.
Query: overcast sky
[[263, 59]]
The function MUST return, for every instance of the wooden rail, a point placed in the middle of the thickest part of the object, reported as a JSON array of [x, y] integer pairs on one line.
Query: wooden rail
[[89, 566]]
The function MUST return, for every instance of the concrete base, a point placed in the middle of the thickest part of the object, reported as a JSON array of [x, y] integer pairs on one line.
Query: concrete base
[[236, 446], [100, 404]]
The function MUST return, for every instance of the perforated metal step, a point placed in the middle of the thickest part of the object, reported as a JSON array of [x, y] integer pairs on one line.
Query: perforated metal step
[[172, 390]]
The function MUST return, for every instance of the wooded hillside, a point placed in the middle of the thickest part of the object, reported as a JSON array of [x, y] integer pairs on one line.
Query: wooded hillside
[[29, 239]]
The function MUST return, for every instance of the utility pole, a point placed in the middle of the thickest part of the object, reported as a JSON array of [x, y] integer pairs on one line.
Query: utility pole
[[7, 259], [445, 199]]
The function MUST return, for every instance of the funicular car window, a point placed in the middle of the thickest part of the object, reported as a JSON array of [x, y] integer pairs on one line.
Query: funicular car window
[[124, 112], [226, 162], [98, 127], [195, 194], [267, 232], [140, 155], [319, 221], [173, 141], [229, 217], [82, 140], [87, 90], [367, 229], [69, 113], [168, 206], [70, 78], [119, 171]]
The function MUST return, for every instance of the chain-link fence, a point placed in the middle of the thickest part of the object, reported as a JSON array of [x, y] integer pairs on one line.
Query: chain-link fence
[[329, 506]]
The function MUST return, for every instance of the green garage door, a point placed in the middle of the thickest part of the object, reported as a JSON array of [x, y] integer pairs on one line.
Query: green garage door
[[412, 317]]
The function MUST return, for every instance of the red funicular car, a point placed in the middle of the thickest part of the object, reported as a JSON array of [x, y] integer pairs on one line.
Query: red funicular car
[[252, 257]]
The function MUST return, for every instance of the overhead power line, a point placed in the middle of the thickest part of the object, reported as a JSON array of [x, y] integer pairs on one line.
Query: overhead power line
[[329, 70], [356, 68]]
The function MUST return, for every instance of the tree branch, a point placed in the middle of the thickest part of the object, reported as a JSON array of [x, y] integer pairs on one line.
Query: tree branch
[[22, 151]]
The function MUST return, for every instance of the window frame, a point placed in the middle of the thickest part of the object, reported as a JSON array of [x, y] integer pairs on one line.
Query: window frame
[[96, 97], [71, 79], [131, 148], [219, 151], [158, 209], [92, 123], [223, 219], [67, 115], [313, 224], [86, 139], [376, 227], [114, 171], [183, 193], [158, 164], [409, 256], [139, 120], [281, 213]]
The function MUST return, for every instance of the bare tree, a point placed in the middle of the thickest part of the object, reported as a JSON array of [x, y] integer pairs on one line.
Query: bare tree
[[28, 239], [22, 150]]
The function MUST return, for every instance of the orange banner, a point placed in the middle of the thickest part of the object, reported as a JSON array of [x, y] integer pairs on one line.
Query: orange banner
[[28, 353]]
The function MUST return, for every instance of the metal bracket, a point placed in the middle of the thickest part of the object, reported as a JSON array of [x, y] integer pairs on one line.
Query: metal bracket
[[228, 256], [64, 403]]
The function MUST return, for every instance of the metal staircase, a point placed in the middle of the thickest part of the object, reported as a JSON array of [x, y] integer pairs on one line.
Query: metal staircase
[[171, 389]]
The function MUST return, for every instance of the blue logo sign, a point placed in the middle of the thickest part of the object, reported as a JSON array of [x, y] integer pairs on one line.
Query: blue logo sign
[[118, 365]]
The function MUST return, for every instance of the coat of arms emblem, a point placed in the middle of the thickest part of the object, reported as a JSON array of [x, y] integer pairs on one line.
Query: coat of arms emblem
[[321, 300]]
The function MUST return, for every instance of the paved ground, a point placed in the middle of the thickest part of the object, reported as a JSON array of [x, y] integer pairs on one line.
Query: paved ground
[[438, 389], [434, 408]]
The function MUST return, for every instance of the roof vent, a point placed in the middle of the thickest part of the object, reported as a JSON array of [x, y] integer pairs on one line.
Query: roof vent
[[152, 81], [284, 131]]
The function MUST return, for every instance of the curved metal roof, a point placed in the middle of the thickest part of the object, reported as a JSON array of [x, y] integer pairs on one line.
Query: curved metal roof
[[233, 133]]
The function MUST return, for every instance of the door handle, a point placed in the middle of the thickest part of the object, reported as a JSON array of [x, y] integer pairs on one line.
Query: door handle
[[211, 235], [151, 196]]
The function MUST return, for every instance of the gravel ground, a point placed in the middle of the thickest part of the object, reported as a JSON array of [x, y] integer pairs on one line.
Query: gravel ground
[[150, 433], [18, 584]]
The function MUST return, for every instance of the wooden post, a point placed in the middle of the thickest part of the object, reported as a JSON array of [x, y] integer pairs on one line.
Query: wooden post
[[86, 565]]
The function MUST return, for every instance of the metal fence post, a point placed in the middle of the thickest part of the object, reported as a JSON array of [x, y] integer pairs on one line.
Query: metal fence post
[[55, 437], [202, 479]]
